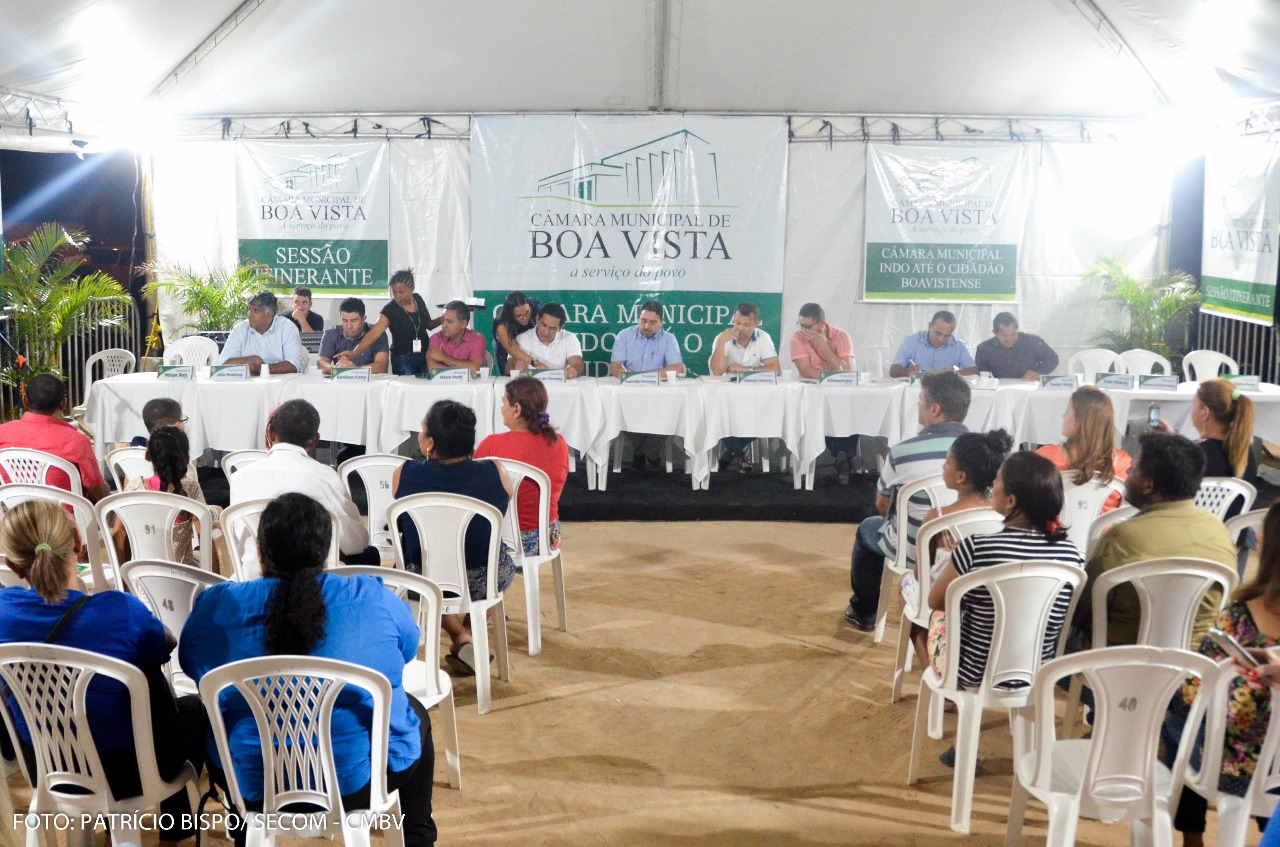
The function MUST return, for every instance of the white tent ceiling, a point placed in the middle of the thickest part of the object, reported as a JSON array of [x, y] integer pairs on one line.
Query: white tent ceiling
[[1089, 58]]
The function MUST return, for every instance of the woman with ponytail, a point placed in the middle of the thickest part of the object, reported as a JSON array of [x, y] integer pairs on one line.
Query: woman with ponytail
[[169, 452], [297, 608], [532, 440]]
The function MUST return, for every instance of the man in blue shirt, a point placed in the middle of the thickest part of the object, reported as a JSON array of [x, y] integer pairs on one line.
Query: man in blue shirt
[[265, 340], [640, 349], [935, 349]]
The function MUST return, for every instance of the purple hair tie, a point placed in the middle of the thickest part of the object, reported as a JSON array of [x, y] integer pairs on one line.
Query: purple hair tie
[[543, 419]]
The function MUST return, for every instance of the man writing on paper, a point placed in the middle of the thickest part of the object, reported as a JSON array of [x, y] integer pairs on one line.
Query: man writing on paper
[[264, 340], [456, 345], [640, 349], [818, 346], [1012, 354], [344, 338], [742, 347], [551, 345], [934, 349]]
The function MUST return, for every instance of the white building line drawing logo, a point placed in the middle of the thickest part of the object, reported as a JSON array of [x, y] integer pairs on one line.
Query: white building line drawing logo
[[945, 183], [679, 169], [335, 174]]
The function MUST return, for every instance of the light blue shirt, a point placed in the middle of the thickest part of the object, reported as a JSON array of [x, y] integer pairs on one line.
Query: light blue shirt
[[916, 348], [280, 343], [637, 353]]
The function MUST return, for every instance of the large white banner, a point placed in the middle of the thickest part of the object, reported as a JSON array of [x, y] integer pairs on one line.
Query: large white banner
[[944, 223], [1241, 210], [316, 213], [601, 213]]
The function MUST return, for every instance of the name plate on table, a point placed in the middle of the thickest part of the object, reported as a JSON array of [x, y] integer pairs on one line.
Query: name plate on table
[[184, 372], [1109, 380], [363, 374], [449, 375], [546, 374], [229, 373], [1245, 383], [646, 378], [839, 378], [1157, 382], [756, 377], [1068, 382]]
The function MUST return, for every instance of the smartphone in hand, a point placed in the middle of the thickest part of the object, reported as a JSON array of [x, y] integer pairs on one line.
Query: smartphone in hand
[[1153, 415], [1232, 648]]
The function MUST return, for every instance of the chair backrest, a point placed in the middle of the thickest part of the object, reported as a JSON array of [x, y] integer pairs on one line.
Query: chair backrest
[[1199, 365], [939, 495], [518, 472], [192, 350], [1248, 520], [375, 471], [441, 521], [1217, 493], [128, 463], [1145, 361], [1023, 596], [149, 518], [168, 588], [1104, 522], [82, 511], [1132, 687], [21, 464], [240, 531], [1169, 592], [292, 700], [1094, 361], [1082, 505], [237, 459], [114, 361], [958, 525]]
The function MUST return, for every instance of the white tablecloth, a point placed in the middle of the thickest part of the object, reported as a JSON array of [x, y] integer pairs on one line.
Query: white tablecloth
[[751, 411], [663, 409], [113, 409], [838, 410], [404, 402]]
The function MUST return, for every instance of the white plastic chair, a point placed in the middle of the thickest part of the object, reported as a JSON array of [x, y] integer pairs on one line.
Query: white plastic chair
[[423, 677], [939, 495], [1103, 523], [114, 361], [21, 464], [85, 515], [49, 683], [292, 699], [169, 589], [1023, 594], [441, 521], [240, 531], [1082, 505], [1089, 363], [958, 525], [237, 459], [1144, 361], [1248, 520], [1217, 493], [125, 463], [530, 564], [375, 471], [192, 350], [1199, 365], [1115, 775], [148, 518]]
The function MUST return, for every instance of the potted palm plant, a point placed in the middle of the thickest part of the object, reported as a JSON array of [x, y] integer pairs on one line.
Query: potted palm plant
[[1150, 307], [214, 300]]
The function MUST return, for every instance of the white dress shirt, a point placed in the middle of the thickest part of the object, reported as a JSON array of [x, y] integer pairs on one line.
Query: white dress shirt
[[280, 343], [556, 354]]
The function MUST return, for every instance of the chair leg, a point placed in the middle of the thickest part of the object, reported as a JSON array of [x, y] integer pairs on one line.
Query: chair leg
[[666, 452], [617, 454], [968, 730], [562, 609], [882, 608], [449, 728], [573, 461], [765, 445], [533, 606], [500, 643], [917, 739], [903, 662], [1072, 712], [1017, 811], [484, 673]]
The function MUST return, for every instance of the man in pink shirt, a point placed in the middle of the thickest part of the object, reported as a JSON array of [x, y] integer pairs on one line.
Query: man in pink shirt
[[818, 346], [41, 427], [456, 346]]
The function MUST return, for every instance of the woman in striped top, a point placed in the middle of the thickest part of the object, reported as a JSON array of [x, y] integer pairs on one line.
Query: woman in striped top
[[1028, 492]]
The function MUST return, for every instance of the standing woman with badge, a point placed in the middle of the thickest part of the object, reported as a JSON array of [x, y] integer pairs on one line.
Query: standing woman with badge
[[407, 318]]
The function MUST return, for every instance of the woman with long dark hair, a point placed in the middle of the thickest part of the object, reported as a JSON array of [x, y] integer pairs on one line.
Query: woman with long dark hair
[[297, 608], [168, 451], [517, 315]]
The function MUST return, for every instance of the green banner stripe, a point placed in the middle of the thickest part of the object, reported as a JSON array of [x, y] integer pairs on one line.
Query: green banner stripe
[[937, 271], [1239, 297], [935, 296], [326, 266]]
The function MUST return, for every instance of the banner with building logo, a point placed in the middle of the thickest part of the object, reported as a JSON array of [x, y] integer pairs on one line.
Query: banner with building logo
[[602, 213], [1241, 215], [944, 222], [316, 213]]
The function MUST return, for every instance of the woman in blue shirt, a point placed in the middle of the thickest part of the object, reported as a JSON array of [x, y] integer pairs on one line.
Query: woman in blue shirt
[[298, 609]]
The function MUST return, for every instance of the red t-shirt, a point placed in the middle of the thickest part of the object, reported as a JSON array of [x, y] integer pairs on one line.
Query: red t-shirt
[[43, 432], [532, 450]]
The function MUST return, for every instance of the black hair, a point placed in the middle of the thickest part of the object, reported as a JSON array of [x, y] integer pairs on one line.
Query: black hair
[[654, 306], [748, 310], [169, 452], [402, 277], [555, 310], [460, 309], [293, 542], [1036, 484], [949, 390], [980, 454], [296, 422], [1175, 465], [813, 311], [944, 316], [264, 300], [352, 304], [161, 411], [1003, 319], [507, 314], [451, 427], [302, 291], [45, 393]]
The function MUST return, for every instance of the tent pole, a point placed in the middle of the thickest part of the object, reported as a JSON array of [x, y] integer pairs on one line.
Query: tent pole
[[210, 43]]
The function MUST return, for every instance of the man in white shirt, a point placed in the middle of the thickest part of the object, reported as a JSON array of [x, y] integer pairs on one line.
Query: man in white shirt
[[744, 346], [292, 433], [264, 341], [551, 345]]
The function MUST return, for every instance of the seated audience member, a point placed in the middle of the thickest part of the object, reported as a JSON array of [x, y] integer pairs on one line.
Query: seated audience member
[[298, 609], [515, 318], [818, 346], [292, 433], [532, 440], [550, 345], [1223, 416], [643, 348], [302, 316], [409, 321], [456, 345], [1012, 354], [165, 411], [943, 403], [1089, 426], [933, 349], [167, 452], [448, 439], [264, 340], [347, 336], [744, 346], [41, 427], [1162, 483], [42, 546]]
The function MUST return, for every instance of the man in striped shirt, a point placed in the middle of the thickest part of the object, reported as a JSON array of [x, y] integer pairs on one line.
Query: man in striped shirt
[[943, 404]]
